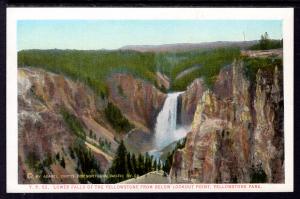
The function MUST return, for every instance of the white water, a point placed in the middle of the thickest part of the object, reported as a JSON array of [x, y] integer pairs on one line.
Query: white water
[[165, 128]]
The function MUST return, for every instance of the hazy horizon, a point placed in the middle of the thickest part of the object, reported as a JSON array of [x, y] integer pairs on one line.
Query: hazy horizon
[[114, 34]]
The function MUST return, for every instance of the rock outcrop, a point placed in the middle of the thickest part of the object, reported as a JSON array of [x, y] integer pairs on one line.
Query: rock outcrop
[[42, 130], [44, 96], [162, 80], [138, 100], [268, 147], [154, 177], [237, 131], [262, 53], [188, 101]]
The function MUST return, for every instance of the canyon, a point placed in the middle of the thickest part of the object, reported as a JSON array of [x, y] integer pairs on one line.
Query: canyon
[[237, 135], [233, 129], [41, 97]]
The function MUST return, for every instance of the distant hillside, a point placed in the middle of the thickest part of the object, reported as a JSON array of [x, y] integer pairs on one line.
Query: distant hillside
[[188, 46]]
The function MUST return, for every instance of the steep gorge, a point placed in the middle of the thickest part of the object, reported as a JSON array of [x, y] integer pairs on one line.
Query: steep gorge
[[237, 131], [236, 136], [56, 113]]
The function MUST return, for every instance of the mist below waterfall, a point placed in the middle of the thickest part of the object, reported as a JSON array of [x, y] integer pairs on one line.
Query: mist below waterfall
[[167, 131]]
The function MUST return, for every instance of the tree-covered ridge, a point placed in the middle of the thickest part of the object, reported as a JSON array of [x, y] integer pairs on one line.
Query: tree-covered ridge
[[90, 66], [88, 167], [94, 66], [252, 65], [117, 120], [73, 123], [210, 63], [266, 43]]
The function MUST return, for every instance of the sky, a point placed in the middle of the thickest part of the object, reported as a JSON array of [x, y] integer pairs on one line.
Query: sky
[[113, 34]]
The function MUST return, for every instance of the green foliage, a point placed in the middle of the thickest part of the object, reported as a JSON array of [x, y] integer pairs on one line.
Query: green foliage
[[32, 159], [130, 164], [148, 163], [48, 160], [39, 166], [168, 163], [210, 63], [258, 175], [73, 123], [91, 66], [140, 164], [180, 144], [158, 165], [252, 65], [155, 165], [119, 166], [87, 165], [92, 135], [115, 117], [266, 43], [104, 144], [163, 89], [125, 165]]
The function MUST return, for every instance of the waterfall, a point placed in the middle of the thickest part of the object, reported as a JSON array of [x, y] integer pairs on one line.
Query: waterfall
[[165, 127]]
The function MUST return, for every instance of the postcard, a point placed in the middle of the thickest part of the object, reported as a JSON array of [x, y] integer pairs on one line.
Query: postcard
[[150, 100]]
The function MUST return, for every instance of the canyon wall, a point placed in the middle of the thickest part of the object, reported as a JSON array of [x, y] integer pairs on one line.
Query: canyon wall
[[237, 131], [138, 100], [187, 102], [44, 98], [42, 130]]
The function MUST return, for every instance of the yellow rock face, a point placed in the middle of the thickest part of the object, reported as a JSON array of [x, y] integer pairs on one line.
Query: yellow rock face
[[232, 136]]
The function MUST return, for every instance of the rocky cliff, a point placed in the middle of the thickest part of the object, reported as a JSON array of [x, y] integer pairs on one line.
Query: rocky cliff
[[187, 102], [189, 99], [44, 132], [56, 112], [237, 131], [139, 100]]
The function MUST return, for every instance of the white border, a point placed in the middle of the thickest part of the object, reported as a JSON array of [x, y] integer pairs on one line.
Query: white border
[[14, 14]]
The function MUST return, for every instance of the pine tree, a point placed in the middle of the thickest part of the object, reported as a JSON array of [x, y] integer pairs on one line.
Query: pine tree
[[141, 165], [168, 163], [129, 164], [158, 165], [119, 165], [151, 164], [148, 163], [264, 41], [134, 164], [155, 165]]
